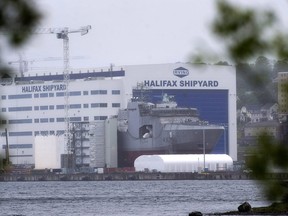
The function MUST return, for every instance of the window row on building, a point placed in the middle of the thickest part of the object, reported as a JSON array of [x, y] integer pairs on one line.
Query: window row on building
[[59, 94], [18, 146], [30, 133], [62, 106], [51, 120]]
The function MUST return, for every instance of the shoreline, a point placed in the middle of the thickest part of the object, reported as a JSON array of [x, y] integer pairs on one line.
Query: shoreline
[[273, 209], [132, 176], [124, 176]]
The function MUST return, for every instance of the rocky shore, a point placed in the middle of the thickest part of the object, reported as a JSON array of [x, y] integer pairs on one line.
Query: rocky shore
[[246, 209]]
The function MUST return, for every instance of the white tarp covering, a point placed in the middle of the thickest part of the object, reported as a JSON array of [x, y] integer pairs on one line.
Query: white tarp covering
[[47, 151], [183, 162]]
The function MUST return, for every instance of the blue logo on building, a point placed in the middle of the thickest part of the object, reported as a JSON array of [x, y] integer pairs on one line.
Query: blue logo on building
[[181, 72]]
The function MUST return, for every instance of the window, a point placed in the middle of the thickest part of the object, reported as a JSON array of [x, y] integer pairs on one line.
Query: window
[[43, 120], [59, 106], [96, 92], [59, 94], [103, 92], [21, 96], [18, 109], [60, 119], [75, 106], [36, 107], [36, 120], [3, 109], [3, 97], [75, 119], [115, 92], [59, 132], [86, 105], [115, 104], [94, 105], [18, 146], [86, 118], [51, 107], [43, 107], [43, 95], [75, 93], [36, 95], [20, 121], [100, 117], [85, 92], [51, 120], [51, 94], [21, 133], [44, 133]]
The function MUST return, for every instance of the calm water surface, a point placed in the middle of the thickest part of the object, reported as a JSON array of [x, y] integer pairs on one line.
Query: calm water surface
[[123, 198]]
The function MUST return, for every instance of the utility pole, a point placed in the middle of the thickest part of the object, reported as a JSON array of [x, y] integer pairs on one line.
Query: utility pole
[[7, 162]]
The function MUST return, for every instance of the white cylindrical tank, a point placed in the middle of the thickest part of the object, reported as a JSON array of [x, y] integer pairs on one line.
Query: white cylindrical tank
[[47, 151], [183, 162]]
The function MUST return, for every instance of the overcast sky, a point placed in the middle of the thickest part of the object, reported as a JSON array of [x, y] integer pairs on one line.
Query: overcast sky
[[129, 32]]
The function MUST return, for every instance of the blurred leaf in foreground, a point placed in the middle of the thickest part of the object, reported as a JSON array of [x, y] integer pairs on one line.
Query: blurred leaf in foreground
[[248, 33]]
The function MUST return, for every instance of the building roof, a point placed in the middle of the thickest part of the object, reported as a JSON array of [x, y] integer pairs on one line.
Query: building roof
[[268, 106], [52, 77]]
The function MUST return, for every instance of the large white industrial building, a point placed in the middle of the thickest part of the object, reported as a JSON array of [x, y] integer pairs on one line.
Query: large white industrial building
[[34, 105]]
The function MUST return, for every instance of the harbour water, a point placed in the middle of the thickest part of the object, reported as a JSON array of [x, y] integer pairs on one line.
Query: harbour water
[[125, 198]]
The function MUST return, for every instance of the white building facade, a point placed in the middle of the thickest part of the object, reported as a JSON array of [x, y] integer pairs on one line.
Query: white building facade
[[35, 104]]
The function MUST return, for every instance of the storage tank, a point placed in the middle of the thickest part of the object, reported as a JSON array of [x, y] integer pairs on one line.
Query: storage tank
[[47, 151], [183, 162]]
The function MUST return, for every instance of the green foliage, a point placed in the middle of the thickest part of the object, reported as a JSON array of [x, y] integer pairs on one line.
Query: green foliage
[[270, 156], [242, 30], [280, 42], [248, 33], [17, 20]]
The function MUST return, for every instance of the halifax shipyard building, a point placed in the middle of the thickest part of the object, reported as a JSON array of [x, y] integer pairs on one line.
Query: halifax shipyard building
[[33, 109]]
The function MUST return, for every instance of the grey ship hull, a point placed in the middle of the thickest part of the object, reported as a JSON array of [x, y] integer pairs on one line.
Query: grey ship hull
[[172, 139]]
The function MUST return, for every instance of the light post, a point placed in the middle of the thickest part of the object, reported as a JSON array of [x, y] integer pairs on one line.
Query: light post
[[225, 140], [204, 140]]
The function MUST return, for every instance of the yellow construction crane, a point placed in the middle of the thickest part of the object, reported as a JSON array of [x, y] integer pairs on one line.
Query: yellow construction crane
[[62, 33]]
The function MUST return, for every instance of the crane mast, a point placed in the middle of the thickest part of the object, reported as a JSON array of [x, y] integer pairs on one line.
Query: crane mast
[[62, 33]]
